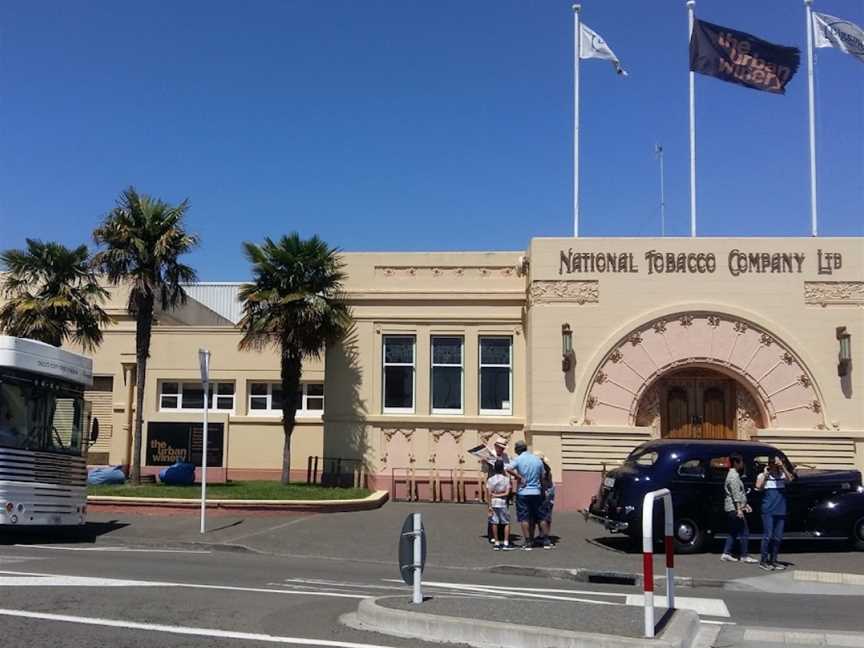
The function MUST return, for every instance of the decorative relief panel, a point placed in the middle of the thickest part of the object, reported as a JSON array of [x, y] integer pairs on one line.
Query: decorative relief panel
[[824, 293], [782, 392], [579, 292], [445, 272]]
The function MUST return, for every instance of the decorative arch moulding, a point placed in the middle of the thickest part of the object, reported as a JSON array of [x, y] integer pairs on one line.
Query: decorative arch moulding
[[780, 389]]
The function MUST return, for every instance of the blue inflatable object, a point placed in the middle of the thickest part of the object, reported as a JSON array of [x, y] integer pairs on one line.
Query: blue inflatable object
[[106, 475], [180, 474]]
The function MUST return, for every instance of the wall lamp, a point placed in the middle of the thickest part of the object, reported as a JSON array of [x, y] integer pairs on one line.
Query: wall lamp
[[844, 359], [566, 348]]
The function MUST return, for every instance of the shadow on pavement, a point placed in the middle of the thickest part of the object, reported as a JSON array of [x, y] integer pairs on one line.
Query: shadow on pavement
[[623, 544], [86, 534]]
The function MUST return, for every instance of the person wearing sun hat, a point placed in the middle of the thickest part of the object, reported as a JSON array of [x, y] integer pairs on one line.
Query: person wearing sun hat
[[498, 452]]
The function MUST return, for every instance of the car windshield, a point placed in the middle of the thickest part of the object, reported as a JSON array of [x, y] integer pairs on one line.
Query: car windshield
[[40, 415], [641, 457]]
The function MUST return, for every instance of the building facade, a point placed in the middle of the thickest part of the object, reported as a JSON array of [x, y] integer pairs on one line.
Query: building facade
[[583, 347]]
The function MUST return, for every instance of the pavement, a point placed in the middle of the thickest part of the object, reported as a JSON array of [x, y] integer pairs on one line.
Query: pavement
[[133, 580], [454, 532]]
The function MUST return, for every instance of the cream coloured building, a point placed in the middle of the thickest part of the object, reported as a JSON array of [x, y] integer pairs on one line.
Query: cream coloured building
[[702, 338]]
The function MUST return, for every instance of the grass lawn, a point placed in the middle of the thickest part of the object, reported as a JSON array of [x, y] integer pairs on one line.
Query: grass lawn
[[264, 490]]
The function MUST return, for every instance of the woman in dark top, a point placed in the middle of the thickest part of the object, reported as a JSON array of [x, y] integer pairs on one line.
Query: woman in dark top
[[772, 482]]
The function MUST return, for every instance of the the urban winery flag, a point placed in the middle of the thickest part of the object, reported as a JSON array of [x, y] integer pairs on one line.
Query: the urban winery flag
[[846, 36], [592, 45], [741, 58]]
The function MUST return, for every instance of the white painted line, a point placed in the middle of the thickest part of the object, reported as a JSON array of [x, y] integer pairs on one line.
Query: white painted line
[[516, 592], [123, 549], [706, 606], [712, 622], [243, 536], [185, 630], [61, 580]]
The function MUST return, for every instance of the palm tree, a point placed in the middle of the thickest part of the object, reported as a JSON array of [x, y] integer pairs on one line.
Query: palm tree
[[143, 239], [52, 295], [295, 305]]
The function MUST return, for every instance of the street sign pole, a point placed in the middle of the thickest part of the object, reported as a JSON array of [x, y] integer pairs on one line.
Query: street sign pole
[[204, 362], [418, 559]]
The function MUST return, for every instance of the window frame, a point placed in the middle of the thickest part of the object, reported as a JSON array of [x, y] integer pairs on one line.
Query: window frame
[[385, 364], [302, 411], [480, 365], [433, 365], [211, 402]]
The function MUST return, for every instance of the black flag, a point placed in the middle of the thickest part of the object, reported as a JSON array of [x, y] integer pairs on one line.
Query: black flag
[[741, 58]]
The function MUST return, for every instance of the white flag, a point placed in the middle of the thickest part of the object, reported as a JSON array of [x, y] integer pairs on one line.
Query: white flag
[[846, 36], [592, 45]]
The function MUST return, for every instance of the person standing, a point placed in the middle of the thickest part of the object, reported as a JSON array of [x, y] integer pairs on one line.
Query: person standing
[[528, 471], [548, 486], [498, 486], [736, 507], [499, 451], [772, 482]]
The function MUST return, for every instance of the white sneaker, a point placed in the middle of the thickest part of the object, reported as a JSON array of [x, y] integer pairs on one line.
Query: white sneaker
[[750, 560], [728, 558]]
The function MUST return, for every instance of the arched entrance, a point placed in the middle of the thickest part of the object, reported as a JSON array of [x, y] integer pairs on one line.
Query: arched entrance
[[699, 403], [702, 375]]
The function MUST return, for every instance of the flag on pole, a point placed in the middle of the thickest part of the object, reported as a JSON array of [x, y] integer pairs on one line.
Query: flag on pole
[[836, 32], [738, 57], [592, 45]]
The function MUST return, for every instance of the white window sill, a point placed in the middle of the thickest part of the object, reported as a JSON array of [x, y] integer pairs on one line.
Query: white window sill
[[447, 412], [496, 412], [398, 410]]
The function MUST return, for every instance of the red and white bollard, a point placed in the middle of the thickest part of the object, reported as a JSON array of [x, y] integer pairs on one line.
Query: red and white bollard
[[648, 554]]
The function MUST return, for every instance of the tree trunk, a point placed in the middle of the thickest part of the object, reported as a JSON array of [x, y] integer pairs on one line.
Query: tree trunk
[[143, 329], [291, 367]]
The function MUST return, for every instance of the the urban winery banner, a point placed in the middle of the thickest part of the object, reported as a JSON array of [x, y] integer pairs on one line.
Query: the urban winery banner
[[170, 442]]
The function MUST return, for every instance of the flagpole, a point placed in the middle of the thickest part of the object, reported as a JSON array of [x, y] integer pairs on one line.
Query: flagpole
[[658, 149], [691, 7], [808, 4], [577, 44]]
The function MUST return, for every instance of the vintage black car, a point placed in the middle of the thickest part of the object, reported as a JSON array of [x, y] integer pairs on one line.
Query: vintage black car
[[820, 503]]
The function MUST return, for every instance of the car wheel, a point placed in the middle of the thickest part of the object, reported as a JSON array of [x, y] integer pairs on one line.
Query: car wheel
[[689, 536], [858, 534]]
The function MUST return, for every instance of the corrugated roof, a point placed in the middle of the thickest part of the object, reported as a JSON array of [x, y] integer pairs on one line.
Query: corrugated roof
[[218, 296]]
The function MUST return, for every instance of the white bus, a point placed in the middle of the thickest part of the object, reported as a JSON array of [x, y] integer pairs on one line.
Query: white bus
[[44, 421]]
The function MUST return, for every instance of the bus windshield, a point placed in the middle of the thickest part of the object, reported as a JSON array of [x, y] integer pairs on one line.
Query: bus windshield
[[41, 415]]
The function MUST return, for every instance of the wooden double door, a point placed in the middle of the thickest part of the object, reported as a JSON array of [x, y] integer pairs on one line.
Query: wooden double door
[[698, 407]]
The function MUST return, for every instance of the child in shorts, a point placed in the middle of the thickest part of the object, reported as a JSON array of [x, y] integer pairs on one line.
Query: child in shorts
[[498, 486]]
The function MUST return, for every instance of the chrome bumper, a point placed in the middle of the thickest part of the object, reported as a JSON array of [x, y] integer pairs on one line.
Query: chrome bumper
[[612, 525]]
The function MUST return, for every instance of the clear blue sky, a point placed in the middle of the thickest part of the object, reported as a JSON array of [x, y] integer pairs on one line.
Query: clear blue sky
[[408, 124]]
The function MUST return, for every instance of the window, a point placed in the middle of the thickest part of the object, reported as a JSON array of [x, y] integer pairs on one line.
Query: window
[[692, 468], [447, 375], [496, 378], [718, 467], [642, 458], [398, 373], [190, 396], [265, 399]]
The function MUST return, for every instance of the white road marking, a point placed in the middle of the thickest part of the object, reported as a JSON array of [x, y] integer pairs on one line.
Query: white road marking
[[112, 549], [712, 622], [706, 606], [702, 606], [251, 534], [517, 592], [58, 580], [185, 630]]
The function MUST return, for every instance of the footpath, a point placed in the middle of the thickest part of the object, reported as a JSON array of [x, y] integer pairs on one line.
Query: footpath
[[585, 551]]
